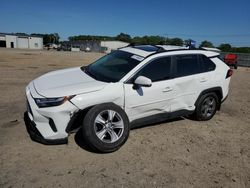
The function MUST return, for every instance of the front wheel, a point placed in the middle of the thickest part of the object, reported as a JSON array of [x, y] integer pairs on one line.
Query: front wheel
[[206, 107], [105, 127]]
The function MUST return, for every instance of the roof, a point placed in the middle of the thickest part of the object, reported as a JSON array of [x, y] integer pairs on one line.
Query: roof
[[147, 50], [20, 35]]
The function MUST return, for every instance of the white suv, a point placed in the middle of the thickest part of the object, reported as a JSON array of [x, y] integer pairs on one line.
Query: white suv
[[132, 86]]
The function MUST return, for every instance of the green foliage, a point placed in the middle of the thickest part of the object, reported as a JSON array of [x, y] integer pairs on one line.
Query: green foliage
[[241, 50], [22, 34], [90, 38], [206, 43], [228, 48], [148, 40], [225, 47], [175, 41], [123, 37], [154, 40], [48, 38]]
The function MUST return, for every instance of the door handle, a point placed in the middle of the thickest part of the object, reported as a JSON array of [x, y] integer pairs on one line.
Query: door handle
[[203, 79], [167, 89]]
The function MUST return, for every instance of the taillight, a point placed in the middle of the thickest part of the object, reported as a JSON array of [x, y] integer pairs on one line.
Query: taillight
[[229, 73]]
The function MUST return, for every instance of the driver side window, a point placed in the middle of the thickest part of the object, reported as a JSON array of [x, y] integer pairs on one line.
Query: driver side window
[[157, 70]]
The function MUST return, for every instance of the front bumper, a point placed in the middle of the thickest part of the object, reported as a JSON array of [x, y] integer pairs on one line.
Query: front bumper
[[35, 135], [47, 125]]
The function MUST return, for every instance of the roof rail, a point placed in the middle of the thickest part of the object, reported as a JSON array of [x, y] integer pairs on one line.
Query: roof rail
[[161, 49]]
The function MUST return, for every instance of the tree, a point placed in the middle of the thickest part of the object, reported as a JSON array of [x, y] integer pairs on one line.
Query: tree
[[56, 38], [175, 41], [123, 37], [206, 43], [225, 47], [48, 38], [154, 40], [90, 38]]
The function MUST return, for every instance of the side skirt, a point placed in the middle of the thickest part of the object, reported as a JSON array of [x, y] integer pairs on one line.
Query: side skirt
[[158, 118]]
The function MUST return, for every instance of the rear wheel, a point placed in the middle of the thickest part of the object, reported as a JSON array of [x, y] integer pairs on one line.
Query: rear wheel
[[206, 106], [235, 66], [106, 127]]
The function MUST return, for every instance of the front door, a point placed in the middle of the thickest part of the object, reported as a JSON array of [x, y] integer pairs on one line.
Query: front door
[[146, 101], [12, 44]]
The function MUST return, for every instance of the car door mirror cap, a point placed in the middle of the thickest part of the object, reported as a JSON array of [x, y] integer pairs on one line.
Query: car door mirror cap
[[143, 81]]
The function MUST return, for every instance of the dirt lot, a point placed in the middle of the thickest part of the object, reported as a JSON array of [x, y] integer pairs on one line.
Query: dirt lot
[[180, 153]]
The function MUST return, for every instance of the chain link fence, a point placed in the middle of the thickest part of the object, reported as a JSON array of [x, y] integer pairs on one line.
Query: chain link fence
[[243, 59]]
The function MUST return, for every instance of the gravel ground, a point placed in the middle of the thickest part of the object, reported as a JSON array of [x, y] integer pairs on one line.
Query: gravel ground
[[179, 153]]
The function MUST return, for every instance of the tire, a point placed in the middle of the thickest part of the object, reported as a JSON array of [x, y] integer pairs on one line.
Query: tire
[[105, 128], [206, 107], [235, 66]]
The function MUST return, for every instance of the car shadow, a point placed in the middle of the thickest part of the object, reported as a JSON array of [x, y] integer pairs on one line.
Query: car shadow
[[80, 141]]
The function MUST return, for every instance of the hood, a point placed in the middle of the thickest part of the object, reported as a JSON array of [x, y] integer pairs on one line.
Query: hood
[[66, 82]]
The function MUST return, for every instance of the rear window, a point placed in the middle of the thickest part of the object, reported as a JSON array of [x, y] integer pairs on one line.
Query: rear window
[[187, 65], [207, 64]]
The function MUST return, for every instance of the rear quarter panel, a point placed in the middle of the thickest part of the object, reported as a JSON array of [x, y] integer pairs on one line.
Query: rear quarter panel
[[220, 79]]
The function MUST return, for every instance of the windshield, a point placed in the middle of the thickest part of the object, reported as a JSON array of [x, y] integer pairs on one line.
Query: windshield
[[113, 67]]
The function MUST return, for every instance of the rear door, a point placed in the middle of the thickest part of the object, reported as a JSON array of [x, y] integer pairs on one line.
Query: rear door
[[146, 101], [189, 80]]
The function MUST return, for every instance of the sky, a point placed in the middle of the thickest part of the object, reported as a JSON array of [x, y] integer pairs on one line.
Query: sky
[[218, 21]]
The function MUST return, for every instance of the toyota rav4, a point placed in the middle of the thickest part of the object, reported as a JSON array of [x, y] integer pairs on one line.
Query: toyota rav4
[[134, 85]]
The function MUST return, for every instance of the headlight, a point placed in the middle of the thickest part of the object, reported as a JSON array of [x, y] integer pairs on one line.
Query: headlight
[[48, 102]]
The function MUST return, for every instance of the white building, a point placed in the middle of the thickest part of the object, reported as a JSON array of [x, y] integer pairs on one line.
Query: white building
[[19, 41], [113, 45]]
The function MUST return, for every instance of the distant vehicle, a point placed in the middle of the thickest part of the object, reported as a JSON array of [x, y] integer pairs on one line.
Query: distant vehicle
[[51, 46], [231, 60], [131, 86], [87, 49]]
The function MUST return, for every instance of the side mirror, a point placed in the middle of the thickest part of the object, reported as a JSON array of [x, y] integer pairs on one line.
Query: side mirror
[[143, 81]]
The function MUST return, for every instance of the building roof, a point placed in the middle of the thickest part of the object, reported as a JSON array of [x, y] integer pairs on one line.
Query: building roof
[[20, 35]]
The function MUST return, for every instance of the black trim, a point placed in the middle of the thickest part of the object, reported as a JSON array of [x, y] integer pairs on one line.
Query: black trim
[[71, 123], [28, 107], [52, 125], [35, 135], [159, 118], [224, 99], [76, 120]]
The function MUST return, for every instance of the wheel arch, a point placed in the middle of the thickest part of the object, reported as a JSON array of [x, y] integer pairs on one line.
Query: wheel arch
[[216, 90], [78, 117]]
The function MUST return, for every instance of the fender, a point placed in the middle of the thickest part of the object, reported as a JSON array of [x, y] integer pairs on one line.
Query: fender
[[77, 119]]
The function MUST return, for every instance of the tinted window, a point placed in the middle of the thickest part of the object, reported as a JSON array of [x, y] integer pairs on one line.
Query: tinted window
[[147, 48], [207, 64], [112, 67], [187, 65], [159, 69]]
